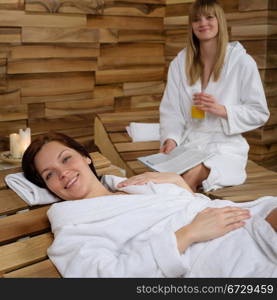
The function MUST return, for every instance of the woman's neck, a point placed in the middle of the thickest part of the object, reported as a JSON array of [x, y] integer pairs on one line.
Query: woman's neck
[[98, 190], [208, 52]]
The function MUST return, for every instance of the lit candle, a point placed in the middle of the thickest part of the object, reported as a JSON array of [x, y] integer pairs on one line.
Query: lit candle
[[25, 139], [15, 149]]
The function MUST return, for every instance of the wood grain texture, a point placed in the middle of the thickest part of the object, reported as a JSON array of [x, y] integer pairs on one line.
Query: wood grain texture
[[38, 34], [14, 18]]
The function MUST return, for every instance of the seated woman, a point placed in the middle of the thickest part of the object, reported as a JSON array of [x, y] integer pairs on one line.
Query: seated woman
[[151, 225]]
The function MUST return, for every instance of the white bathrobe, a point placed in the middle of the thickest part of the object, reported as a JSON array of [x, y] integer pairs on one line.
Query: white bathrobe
[[134, 236], [240, 90]]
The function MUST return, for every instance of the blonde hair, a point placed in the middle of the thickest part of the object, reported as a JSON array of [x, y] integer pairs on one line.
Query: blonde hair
[[193, 63]]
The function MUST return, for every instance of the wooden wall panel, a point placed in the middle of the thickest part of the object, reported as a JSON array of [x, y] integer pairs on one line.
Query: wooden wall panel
[[59, 35], [61, 62]]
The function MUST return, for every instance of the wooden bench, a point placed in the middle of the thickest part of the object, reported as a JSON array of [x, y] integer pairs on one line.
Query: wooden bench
[[111, 137], [25, 231], [113, 141]]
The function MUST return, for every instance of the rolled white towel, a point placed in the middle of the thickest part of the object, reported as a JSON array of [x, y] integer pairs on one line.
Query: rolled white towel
[[29, 192], [142, 132]]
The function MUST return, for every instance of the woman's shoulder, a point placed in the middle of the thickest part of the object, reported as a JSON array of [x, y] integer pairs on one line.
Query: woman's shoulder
[[239, 54]]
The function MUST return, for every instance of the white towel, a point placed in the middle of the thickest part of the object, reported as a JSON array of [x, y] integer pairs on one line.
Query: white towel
[[142, 132], [29, 192]]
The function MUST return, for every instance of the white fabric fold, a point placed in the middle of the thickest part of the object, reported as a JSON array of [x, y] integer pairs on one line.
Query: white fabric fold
[[143, 132], [29, 192]]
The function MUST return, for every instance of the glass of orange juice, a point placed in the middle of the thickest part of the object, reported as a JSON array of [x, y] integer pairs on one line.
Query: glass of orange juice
[[197, 113]]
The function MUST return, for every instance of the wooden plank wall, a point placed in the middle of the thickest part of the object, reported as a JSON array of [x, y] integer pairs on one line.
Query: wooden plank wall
[[253, 23], [61, 62]]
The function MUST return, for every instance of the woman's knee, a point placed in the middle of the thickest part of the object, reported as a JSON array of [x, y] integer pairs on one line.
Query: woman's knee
[[196, 175]]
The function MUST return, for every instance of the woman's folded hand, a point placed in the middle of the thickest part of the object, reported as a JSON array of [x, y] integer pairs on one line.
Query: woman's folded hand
[[211, 223], [155, 177]]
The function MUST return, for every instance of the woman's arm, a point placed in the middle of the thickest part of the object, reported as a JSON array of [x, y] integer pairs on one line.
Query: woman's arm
[[156, 177], [252, 111], [172, 121]]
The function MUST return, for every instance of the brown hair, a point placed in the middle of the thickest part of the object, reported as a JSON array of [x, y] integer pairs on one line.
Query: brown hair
[[28, 164], [193, 64]]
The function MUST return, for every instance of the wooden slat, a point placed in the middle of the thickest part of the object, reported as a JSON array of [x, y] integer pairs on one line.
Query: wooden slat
[[14, 18], [132, 50], [94, 106], [138, 36], [10, 97], [143, 88], [260, 182], [4, 173], [135, 154], [43, 125], [245, 192], [135, 10], [133, 74], [44, 269], [51, 65], [13, 112], [137, 167], [60, 35], [54, 51], [129, 61], [24, 223], [130, 117], [137, 103], [52, 84], [118, 137], [135, 23], [24, 252], [103, 142], [137, 146], [111, 170], [10, 202], [7, 127], [12, 4], [99, 160]]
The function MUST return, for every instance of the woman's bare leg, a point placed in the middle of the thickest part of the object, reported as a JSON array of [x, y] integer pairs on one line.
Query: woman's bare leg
[[272, 219], [195, 176]]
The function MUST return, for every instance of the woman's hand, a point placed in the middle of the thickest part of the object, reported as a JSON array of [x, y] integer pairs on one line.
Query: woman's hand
[[155, 177], [209, 224], [209, 104], [168, 146]]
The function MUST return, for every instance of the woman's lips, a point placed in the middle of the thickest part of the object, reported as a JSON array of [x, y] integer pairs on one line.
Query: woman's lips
[[71, 182]]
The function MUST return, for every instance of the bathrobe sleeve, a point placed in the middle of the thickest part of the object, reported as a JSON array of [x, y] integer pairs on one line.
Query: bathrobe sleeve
[[98, 257], [172, 122], [252, 112]]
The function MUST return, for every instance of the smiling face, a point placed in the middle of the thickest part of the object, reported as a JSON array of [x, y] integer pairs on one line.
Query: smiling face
[[205, 27], [65, 171]]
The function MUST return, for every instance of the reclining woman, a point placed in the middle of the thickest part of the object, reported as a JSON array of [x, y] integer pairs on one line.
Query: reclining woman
[[151, 225]]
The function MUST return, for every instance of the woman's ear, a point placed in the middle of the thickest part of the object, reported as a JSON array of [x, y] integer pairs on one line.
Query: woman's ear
[[88, 160]]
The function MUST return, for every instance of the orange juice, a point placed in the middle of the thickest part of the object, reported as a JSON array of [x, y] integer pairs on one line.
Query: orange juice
[[197, 113]]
